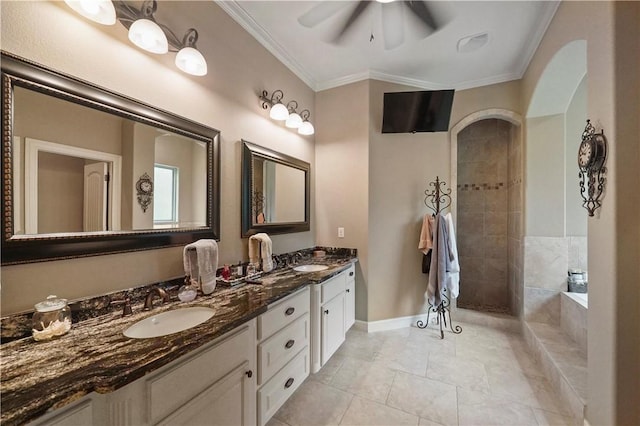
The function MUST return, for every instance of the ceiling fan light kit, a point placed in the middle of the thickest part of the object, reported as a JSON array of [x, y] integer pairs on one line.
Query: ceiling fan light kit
[[144, 31], [288, 114], [392, 18]]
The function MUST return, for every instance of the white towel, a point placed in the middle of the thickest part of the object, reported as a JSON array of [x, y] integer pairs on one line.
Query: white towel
[[260, 246], [201, 261], [453, 274]]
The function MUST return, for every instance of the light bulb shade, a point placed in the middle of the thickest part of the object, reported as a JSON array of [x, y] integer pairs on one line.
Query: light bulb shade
[[191, 61], [100, 11], [306, 128], [279, 112], [294, 121], [148, 35]]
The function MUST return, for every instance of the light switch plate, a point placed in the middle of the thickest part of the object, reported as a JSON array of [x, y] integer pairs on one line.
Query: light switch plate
[[340, 232]]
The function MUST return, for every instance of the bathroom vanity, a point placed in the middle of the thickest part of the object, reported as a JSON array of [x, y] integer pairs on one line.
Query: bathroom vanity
[[239, 367]]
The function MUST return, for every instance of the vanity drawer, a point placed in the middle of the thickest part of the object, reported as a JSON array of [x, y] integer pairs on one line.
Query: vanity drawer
[[285, 311], [277, 390], [350, 273], [333, 287], [280, 348]]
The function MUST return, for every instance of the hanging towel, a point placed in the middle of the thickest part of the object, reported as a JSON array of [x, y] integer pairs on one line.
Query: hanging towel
[[260, 246], [426, 234], [200, 260], [433, 293], [453, 274], [425, 242]]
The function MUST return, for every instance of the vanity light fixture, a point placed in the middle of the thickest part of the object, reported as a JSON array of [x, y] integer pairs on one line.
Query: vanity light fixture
[[144, 31], [281, 112], [306, 128], [294, 120]]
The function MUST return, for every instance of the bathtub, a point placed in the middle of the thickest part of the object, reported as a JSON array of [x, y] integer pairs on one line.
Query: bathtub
[[573, 317], [580, 298]]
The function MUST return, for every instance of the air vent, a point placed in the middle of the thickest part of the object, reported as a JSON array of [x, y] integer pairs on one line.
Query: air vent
[[472, 43]]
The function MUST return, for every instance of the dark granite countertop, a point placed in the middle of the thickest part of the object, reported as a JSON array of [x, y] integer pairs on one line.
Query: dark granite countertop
[[96, 356]]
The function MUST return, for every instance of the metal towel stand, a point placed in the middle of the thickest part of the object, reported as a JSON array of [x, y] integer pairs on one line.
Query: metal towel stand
[[437, 200]]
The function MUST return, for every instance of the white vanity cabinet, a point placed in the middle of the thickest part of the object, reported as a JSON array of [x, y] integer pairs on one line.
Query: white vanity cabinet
[[350, 299], [332, 314], [283, 352], [213, 385]]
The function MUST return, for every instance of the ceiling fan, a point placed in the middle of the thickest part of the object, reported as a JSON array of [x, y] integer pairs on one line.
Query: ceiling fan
[[392, 18]]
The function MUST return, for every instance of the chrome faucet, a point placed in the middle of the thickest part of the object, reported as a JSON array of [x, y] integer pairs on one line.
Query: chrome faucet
[[148, 301]]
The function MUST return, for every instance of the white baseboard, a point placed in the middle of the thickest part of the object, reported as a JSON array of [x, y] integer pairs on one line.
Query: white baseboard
[[390, 324]]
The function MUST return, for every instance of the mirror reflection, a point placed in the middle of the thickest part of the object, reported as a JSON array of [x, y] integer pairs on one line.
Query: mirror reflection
[[78, 169], [278, 192], [275, 191]]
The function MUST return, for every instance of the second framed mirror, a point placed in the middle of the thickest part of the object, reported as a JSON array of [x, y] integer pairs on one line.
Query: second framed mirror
[[275, 192]]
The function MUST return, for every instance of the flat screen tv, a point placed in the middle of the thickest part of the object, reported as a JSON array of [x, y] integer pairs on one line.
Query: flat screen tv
[[421, 111]]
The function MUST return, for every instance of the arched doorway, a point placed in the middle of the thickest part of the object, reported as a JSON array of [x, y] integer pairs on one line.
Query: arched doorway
[[487, 184]]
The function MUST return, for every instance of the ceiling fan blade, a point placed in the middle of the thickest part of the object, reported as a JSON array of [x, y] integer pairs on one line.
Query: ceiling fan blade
[[392, 25], [422, 11], [320, 12], [362, 5]]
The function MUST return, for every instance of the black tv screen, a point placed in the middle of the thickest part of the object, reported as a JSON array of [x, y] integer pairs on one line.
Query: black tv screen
[[421, 111]]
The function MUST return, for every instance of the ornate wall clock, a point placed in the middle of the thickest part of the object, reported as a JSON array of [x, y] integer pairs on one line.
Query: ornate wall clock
[[144, 188], [592, 154]]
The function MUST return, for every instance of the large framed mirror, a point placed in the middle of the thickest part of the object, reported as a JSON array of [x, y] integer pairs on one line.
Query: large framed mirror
[[86, 171], [275, 192]]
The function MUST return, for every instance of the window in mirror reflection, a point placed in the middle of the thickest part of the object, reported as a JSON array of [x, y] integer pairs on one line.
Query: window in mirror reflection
[[165, 206]]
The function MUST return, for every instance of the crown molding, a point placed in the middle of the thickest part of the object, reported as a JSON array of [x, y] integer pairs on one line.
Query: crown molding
[[238, 14], [548, 13], [234, 9]]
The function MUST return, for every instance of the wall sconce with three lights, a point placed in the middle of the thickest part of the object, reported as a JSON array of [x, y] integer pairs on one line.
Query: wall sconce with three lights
[[144, 31], [287, 113]]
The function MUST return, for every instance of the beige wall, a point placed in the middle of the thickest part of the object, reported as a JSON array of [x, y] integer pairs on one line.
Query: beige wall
[[575, 120], [52, 34], [545, 176], [614, 234], [342, 177], [401, 167]]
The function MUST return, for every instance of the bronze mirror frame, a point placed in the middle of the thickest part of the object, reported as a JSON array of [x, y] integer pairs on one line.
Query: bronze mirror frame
[[251, 151], [17, 71]]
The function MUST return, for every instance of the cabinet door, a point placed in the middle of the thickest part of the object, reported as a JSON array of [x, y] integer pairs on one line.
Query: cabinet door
[[225, 402], [332, 326], [350, 305]]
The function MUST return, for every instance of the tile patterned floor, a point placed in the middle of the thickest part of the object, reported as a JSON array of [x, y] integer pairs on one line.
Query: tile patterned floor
[[411, 377]]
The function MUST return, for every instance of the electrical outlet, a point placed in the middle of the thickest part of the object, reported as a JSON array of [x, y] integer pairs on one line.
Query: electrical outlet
[[340, 232]]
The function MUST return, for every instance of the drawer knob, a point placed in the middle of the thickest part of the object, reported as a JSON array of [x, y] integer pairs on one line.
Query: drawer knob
[[351, 273], [288, 383], [326, 311], [289, 344], [249, 373], [290, 311], [348, 291]]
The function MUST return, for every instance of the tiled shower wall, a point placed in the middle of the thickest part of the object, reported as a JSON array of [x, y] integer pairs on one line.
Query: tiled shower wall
[[515, 231], [483, 211]]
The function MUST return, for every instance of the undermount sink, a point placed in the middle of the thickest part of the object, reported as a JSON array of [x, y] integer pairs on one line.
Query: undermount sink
[[168, 322], [310, 268]]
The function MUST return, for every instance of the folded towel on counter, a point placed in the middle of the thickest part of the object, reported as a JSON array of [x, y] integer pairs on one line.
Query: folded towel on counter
[[200, 260], [260, 247]]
